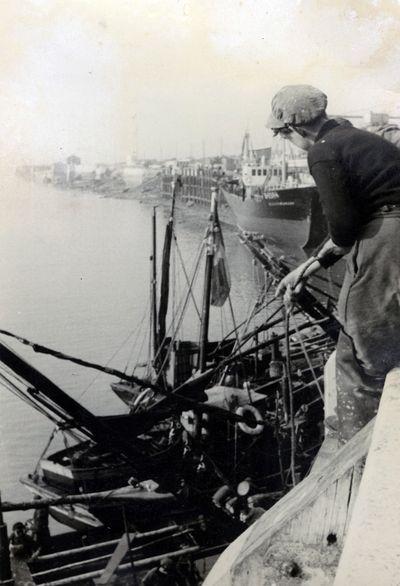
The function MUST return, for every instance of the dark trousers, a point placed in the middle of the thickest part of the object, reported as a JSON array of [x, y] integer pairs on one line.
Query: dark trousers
[[369, 311]]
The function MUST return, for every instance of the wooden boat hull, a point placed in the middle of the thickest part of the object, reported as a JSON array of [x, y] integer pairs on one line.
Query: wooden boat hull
[[141, 506], [77, 516]]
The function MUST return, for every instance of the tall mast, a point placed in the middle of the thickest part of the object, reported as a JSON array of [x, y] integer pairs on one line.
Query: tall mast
[[154, 286], [165, 278], [205, 313]]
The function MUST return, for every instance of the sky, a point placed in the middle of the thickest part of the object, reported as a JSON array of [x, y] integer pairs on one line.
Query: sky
[[104, 79]]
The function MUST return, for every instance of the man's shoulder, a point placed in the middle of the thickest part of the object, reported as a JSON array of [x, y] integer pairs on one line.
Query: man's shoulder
[[325, 149], [334, 143]]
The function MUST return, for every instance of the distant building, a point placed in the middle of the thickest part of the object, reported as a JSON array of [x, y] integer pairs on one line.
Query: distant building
[[60, 173]]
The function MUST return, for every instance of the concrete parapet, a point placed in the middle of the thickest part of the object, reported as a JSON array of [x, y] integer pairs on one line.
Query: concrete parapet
[[371, 553]]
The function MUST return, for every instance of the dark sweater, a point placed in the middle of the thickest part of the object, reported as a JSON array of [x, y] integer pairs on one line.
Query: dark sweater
[[356, 173]]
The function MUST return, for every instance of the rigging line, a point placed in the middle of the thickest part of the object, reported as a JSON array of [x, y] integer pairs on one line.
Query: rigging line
[[201, 247], [221, 320], [307, 357], [52, 435], [259, 305], [152, 317], [138, 336], [260, 328], [184, 299], [291, 405], [96, 377], [11, 387], [173, 337], [247, 352], [237, 335], [22, 395], [322, 292], [56, 354], [245, 451]]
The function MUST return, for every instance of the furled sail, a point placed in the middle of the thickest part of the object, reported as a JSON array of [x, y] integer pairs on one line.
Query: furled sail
[[220, 278]]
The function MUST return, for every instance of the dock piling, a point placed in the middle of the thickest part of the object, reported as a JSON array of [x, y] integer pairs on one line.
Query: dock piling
[[5, 564]]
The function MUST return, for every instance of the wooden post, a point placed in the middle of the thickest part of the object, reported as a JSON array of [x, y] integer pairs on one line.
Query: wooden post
[[5, 565], [128, 544]]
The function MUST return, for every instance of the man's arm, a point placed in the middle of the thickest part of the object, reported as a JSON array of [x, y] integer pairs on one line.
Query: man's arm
[[293, 282]]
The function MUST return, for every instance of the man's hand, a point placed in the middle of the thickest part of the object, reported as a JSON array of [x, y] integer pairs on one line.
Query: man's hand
[[293, 282]]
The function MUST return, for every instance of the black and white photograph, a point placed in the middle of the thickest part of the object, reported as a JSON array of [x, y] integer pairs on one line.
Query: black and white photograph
[[200, 293]]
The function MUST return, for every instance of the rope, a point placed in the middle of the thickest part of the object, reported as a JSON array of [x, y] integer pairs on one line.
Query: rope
[[307, 357], [177, 328], [200, 249], [137, 333], [291, 406], [183, 302], [53, 433], [237, 343], [56, 354]]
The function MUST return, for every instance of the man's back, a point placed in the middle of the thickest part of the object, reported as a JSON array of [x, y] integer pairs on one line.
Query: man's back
[[371, 163]]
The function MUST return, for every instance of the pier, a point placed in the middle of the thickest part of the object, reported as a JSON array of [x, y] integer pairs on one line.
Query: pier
[[196, 185]]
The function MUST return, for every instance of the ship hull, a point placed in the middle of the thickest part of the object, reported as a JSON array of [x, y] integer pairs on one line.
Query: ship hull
[[284, 217]]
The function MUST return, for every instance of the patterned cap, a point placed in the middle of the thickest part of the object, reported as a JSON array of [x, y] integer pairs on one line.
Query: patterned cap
[[296, 104]]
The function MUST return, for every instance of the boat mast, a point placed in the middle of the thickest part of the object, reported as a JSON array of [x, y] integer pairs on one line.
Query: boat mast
[[165, 276], [154, 285], [205, 313]]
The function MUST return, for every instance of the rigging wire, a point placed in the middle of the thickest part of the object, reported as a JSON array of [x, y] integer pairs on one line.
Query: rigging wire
[[307, 357], [183, 303], [236, 335], [291, 405], [138, 336], [47, 445], [97, 376], [201, 248], [21, 395], [181, 316]]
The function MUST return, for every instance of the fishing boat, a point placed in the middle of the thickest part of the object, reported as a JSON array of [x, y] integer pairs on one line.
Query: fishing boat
[[276, 197], [240, 431]]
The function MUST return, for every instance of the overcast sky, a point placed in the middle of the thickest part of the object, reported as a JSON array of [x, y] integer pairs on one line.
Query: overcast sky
[[101, 78]]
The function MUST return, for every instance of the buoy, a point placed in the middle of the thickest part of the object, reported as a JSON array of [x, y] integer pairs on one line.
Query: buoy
[[246, 411], [190, 422]]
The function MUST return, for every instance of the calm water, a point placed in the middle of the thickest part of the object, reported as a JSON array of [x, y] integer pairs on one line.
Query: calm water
[[75, 276]]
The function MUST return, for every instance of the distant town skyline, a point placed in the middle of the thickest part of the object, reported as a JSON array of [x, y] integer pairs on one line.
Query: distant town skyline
[[164, 78]]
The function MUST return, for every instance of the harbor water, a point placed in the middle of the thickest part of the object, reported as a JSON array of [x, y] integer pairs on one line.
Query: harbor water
[[76, 277]]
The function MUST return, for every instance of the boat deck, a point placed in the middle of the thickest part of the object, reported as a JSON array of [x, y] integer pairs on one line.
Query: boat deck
[[338, 526]]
